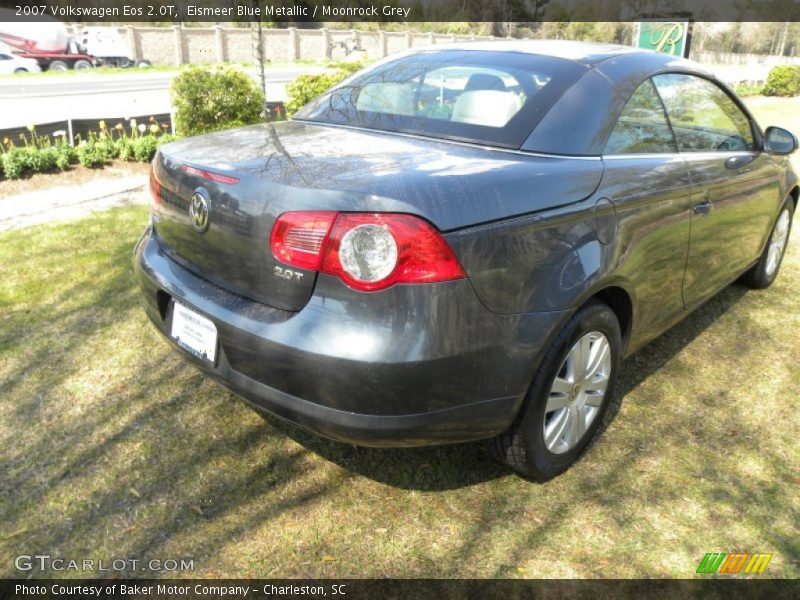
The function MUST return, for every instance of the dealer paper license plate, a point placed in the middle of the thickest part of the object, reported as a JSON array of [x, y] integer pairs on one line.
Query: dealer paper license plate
[[194, 332]]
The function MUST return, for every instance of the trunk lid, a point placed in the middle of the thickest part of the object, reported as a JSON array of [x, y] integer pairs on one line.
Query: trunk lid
[[303, 166]]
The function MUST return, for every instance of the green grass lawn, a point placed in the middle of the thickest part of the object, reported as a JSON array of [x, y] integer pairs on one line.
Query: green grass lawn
[[112, 446]]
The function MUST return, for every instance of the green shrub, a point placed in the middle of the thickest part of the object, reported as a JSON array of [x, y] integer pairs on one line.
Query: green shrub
[[747, 89], [39, 160], [125, 148], [305, 88], [144, 148], [207, 100], [92, 154], [107, 146], [24, 156], [19, 161], [13, 163], [783, 80], [65, 155]]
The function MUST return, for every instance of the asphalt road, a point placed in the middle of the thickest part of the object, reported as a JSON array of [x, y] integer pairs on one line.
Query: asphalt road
[[30, 100]]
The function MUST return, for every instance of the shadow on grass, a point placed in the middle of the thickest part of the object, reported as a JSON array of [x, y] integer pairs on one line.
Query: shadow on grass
[[433, 468], [648, 360], [460, 465]]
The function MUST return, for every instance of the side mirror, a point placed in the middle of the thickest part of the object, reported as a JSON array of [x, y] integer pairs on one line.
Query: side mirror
[[779, 141]]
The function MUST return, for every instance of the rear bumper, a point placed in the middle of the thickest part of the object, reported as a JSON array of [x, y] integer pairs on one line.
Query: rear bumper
[[408, 366]]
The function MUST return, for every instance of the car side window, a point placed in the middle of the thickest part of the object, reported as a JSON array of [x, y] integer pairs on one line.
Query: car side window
[[703, 117], [5, 57], [642, 127]]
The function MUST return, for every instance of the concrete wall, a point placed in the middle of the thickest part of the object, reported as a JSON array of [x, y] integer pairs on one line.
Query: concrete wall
[[200, 48], [195, 45], [205, 45], [157, 44], [236, 45]]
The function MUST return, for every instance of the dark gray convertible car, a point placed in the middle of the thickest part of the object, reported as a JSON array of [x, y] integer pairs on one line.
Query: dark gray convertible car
[[463, 242]]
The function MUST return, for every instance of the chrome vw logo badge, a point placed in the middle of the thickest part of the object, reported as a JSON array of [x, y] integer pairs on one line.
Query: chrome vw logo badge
[[198, 209]]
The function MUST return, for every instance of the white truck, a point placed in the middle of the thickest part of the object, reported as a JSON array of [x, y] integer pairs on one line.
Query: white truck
[[48, 43]]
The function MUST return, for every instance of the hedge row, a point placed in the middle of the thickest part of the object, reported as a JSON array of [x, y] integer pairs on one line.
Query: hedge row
[[305, 88], [34, 153]]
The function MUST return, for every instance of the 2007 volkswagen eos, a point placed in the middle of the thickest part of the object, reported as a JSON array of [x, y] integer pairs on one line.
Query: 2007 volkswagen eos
[[463, 242]]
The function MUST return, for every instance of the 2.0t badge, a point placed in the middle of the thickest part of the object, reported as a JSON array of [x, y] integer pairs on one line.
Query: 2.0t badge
[[198, 209]]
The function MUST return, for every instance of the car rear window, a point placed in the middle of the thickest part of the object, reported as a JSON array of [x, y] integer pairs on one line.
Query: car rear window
[[494, 98]]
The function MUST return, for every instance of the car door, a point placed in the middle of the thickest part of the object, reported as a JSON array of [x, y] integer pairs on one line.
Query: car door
[[647, 181], [735, 186]]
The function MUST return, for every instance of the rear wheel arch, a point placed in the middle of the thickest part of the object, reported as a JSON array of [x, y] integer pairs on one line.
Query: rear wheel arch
[[620, 302], [613, 294]]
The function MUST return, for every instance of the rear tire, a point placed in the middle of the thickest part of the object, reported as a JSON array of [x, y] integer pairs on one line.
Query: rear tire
[[58, 65], [82, 64], [20, 70], [534, 445], [765, 271]]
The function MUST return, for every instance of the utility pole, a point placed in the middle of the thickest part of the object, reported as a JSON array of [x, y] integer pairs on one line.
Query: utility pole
[[258, 53]]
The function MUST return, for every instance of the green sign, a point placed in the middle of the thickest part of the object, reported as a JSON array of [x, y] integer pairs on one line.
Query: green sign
[[668, 37]]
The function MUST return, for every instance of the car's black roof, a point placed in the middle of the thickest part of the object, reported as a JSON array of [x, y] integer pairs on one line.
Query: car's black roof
[[582, 119]]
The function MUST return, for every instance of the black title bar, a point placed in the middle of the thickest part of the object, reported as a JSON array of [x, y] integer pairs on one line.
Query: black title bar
[[396, 11], [388, 589]]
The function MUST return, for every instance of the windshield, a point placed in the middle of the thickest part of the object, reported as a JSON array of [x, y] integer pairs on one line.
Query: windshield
[[493, 98]]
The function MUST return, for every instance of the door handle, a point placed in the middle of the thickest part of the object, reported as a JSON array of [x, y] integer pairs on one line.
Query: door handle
[[703, 208], [737, 162]]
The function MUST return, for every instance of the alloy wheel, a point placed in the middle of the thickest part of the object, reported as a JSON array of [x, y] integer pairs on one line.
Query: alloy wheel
[[777, 242], [577, 392]]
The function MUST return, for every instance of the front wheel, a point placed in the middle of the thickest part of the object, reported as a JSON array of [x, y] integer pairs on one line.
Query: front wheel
[[766, 269], [568, 399]]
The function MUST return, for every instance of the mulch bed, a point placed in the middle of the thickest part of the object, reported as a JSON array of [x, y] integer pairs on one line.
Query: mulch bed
[[75, 176]]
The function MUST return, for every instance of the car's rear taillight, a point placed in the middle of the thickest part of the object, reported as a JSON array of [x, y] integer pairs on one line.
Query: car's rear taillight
[[368, 251], [373, 251], [155, 192], [298, 238]]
